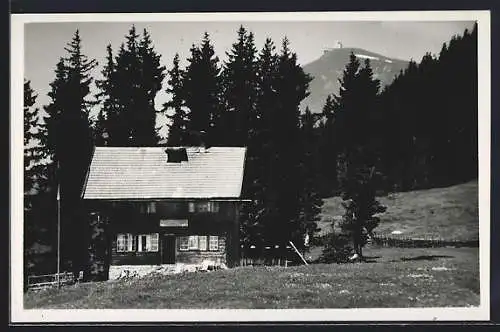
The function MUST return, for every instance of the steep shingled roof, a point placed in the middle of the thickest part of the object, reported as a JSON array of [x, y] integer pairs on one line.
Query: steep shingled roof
[[144, 173]]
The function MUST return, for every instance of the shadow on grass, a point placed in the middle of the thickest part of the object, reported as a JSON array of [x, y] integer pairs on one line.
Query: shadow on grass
[[370, 259], [424, 258]]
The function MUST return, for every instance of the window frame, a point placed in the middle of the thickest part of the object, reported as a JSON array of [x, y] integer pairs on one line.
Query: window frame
[[154, 242], [203, 243], [213, 238], [202, 238], [183, 243], [151, 208], [128, 243], [193, 239], [121, 242], [203, 207]]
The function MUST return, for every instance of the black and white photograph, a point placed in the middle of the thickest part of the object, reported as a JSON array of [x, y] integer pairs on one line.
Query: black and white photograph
[[322, 166]]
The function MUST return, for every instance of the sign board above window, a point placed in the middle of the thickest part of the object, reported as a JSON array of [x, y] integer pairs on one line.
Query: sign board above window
[[173, 223]]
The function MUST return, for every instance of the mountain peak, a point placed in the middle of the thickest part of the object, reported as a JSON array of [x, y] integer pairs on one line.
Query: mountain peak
[[329, 67]]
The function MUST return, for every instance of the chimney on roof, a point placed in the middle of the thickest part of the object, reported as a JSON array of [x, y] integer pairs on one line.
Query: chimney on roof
[[176, 155]]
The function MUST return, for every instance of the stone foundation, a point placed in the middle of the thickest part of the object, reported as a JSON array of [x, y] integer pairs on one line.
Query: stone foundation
[[138, 271]]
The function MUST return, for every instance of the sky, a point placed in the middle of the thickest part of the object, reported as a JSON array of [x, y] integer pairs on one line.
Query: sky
[[45, 42]]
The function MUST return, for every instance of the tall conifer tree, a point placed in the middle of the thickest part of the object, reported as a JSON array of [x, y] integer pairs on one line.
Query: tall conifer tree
[[131, 82], [152, 74], [310, 198], [37, 203], [256, 214], [358, 161], [239, 81], [291, 87], [34, 137], [70, 142], [328, 149], [177, 133], [202, 93], [107, 96]]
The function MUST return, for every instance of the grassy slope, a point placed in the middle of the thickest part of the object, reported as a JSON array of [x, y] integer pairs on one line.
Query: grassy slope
[[394, 278], [449, 213]]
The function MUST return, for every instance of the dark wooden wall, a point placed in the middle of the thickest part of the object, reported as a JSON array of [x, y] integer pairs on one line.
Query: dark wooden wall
[[193, 257], [126, 217]]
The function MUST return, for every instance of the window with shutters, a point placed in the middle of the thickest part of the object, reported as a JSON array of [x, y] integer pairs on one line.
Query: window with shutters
[[214, 243], [121, 242], [202, 243], [154, 242], [137, 243], [184, 243], [198, 243], [193, 242]]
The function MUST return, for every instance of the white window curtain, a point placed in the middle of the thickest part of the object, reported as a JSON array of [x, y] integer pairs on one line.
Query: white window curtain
[[153, 242], [183, 243], [193, 242], [132, 244], [140, 243], [203, 243], [214, 243], [120, 243]]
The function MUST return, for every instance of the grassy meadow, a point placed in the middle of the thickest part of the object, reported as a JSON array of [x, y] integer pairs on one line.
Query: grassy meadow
[[391, 277], [447, 213]]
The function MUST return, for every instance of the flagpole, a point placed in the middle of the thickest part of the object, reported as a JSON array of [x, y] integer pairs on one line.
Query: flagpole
[[58, 227]]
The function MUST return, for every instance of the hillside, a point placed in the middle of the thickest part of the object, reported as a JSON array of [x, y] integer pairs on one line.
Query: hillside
[[328, 69], [396, 278], [449, 213]]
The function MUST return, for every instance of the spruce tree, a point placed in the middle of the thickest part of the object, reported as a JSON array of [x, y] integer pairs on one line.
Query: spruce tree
[[106, 119], [34, 136], [430, 118], [152, 74], [328, 149], [291, 87], [239, 125], [118, 124], [202, 93], [346, 105], [36, 206], [130, 83], [354, 129], [177, 133], [239, 81], [99, 130], [358, 162], [256, 216], [129, 95], [70, 143], [310, 198]]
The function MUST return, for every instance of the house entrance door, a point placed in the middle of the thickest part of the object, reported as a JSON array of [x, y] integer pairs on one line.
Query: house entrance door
[[168, 249]]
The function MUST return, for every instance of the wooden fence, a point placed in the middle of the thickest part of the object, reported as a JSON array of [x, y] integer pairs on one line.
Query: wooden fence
[[411, 242], [408, 241], [51, 280], [269, 256]]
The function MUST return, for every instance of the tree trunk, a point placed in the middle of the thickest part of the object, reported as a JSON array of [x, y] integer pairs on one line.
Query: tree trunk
[[358, 250]]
